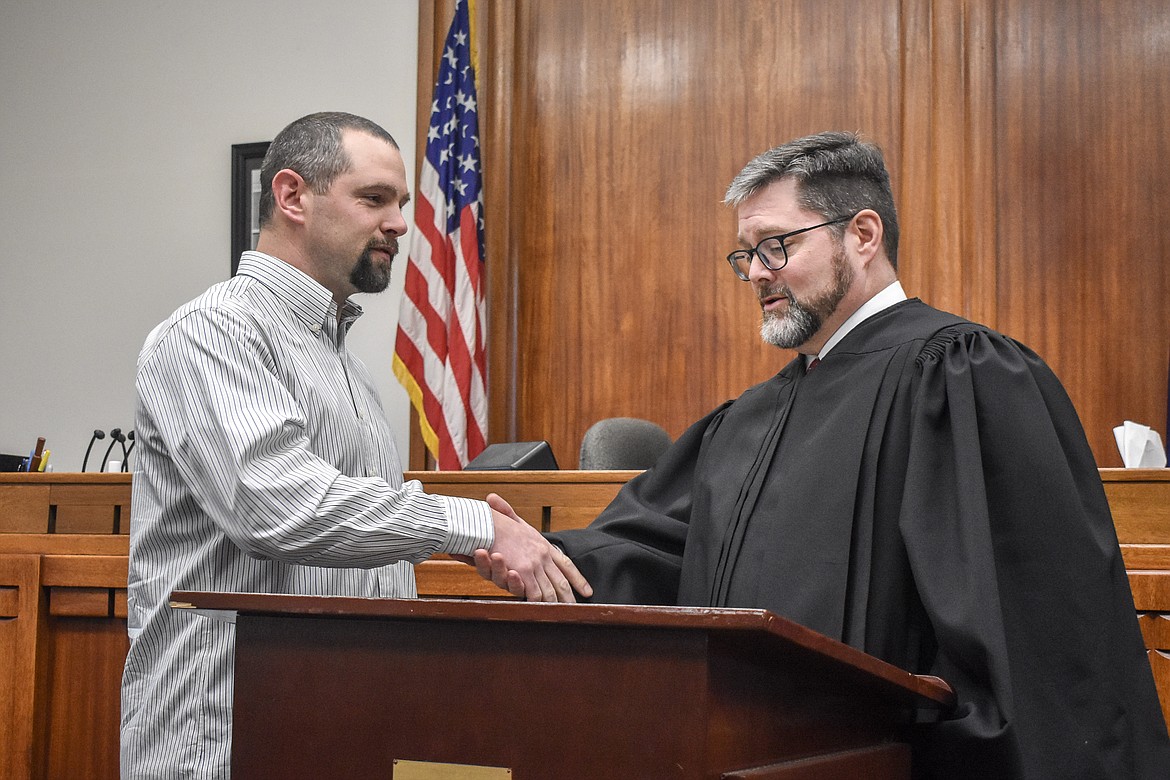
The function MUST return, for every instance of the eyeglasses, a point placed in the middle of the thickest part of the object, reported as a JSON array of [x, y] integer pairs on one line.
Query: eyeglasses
[[772, 251]]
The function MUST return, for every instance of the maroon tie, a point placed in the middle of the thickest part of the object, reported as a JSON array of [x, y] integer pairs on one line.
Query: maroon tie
[[812, 364]]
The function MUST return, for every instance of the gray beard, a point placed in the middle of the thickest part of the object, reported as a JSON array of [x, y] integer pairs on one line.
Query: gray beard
[[803, 319], [791, 329]]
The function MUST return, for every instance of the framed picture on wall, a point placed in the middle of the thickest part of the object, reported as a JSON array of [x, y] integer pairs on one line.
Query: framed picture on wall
[[246, 159]]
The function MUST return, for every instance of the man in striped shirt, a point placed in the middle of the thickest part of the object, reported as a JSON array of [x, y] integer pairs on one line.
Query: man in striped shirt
[[265, 463]]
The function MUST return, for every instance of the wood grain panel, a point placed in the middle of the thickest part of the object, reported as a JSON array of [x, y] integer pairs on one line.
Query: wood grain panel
[[22, 707], [1151, 590], [9, 601], [1083, 93], [80, 602], [1146, 556], [91, 571], [1156, 630], [627, 121], [85, 519], [86, 494], [944, 185], [63, 544], [84, 681], [1141, 511], [24, 508]]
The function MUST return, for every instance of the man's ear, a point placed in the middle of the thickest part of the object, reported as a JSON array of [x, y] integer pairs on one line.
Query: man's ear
[[867, 231], [288, 195]]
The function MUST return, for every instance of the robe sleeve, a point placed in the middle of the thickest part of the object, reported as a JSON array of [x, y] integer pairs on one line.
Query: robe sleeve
[[632, 553], [1016, 561]]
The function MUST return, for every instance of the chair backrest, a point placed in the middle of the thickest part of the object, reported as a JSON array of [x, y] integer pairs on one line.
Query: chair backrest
[[622, 443]]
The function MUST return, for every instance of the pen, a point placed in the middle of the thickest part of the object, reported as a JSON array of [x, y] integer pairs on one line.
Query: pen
[[34, 457]]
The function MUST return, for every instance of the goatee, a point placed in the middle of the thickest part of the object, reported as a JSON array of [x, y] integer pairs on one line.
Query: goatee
[[370, 278], [803, 319]]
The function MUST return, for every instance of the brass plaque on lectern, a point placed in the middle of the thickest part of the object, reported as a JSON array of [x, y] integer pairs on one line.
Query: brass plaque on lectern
[[430, 770]]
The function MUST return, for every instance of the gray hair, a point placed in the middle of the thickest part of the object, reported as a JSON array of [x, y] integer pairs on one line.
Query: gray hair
[[836, 173], [311, 146]]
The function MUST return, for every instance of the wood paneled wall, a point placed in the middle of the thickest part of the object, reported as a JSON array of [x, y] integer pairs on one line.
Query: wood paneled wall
[[1083, 187], [1026, 141]]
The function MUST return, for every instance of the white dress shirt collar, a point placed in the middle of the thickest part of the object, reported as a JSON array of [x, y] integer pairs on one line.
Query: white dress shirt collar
[[308, 298], [883, 300]]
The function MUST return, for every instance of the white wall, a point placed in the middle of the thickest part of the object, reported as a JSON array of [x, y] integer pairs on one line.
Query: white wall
[[116, 123]]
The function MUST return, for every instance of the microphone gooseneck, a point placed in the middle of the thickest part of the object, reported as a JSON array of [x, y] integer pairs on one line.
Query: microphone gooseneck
[[115, 437], [97, 434], [126, 452]]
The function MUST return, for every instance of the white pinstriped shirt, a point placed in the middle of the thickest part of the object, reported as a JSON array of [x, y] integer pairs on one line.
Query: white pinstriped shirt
[[264, 464]]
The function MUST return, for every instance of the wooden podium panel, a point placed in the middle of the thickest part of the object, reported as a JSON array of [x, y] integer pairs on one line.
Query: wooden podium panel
[[341, 687]]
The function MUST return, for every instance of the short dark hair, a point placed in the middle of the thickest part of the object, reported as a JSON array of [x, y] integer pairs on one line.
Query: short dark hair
[[311, 146], [836, 174]]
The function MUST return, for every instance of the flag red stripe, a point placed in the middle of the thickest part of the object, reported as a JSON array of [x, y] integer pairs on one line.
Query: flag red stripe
[[441, 340]]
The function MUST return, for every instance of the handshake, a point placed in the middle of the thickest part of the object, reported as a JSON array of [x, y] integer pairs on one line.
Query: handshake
[[523, 562]]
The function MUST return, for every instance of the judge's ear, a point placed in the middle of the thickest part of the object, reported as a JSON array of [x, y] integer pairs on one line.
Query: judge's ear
[[867, 231], [288, 194]]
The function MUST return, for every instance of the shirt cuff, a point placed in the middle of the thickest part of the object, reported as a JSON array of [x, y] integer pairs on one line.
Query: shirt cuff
[[470, 526]]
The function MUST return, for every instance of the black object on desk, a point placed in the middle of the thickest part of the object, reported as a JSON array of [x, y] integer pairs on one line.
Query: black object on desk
[[514, 456], [12, 462]]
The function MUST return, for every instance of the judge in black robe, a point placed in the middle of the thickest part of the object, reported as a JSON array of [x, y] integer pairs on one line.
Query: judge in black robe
[[926, 495]]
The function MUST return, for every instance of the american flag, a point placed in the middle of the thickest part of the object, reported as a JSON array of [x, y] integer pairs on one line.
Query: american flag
[[439, 354]]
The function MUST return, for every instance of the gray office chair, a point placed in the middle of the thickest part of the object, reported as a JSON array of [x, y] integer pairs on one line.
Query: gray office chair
[[622, 443]]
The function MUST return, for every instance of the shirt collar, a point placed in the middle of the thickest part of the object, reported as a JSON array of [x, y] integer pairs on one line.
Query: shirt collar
[[305, 296], [883, 300]]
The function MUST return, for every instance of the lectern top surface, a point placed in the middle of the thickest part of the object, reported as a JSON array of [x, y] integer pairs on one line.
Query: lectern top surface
[[765, 630]]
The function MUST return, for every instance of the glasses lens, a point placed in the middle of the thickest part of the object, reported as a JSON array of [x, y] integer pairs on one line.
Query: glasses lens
[[741, 263], [771, 252]]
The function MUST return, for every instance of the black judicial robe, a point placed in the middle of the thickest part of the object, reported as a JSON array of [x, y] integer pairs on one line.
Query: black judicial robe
[[926, 495]]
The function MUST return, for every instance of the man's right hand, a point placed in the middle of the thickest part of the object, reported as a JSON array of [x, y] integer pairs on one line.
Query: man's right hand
[[524, 563]]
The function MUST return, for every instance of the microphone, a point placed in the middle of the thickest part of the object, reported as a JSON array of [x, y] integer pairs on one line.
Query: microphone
[[126, 452], [97, 434], [115, 437]]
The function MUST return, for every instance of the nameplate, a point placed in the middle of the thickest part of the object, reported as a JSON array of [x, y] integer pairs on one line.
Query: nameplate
[[430, 770]]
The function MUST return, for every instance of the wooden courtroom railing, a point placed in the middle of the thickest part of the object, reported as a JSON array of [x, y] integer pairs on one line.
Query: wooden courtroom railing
[[1140, 502], [63, 549], [63, 552]]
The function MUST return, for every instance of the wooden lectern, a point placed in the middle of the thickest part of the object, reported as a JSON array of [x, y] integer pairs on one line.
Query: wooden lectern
[[367, 688]]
